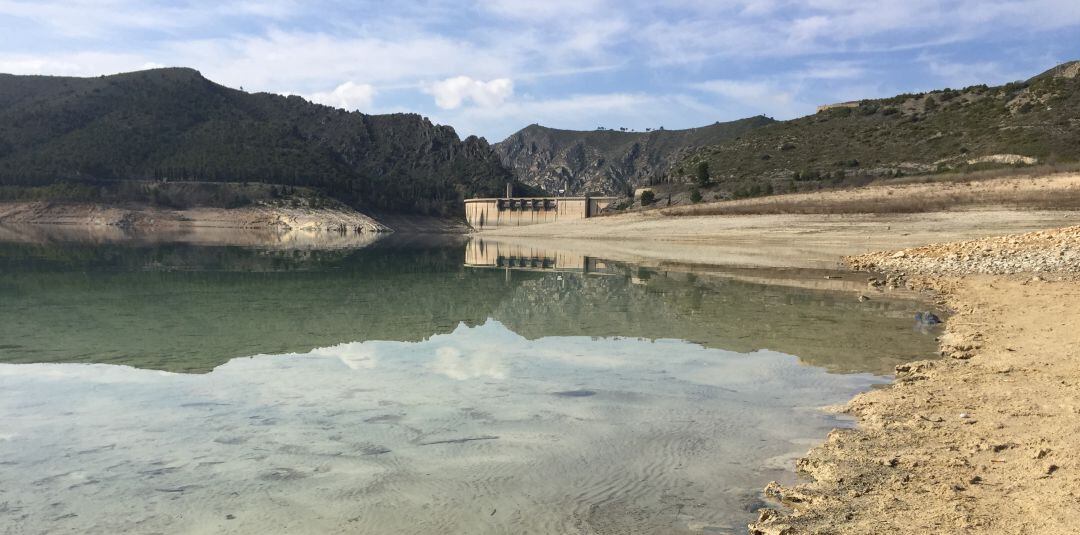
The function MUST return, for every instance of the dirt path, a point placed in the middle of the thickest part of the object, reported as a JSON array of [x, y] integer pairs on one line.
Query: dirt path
[[983, 441]]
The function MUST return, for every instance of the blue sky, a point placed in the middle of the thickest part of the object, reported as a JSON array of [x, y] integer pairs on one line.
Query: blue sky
[[491, 67]]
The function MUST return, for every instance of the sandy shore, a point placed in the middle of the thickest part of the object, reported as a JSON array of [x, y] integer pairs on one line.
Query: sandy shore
[[981, 441], [791, 240]]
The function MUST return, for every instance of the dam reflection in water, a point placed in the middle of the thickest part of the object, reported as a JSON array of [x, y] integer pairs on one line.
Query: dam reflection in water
[[399, 389]]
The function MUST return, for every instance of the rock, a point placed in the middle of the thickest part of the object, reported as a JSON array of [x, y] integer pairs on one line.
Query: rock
[[927, 318], [899, 254]]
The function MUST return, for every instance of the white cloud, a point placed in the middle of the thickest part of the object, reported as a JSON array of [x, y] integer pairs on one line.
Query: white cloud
[[532, 10], [480, 363], [831, 70], [490, 63], [748, 91], [74, 64], [580, 111], [451, 93], [349, 95], [960, 74]]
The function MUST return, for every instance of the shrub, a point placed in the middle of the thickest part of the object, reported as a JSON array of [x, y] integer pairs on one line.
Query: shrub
[[647, 197], [701, 173], [695, 195]]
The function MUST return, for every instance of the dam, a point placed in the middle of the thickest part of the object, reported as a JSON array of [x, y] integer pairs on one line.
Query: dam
[[516, 211]]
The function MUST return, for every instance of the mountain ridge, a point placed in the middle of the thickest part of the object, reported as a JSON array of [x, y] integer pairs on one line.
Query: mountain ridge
[[173, 124], [1027, 122], [605, 161]]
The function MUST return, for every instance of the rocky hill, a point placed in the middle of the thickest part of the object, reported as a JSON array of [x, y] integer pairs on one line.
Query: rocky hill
[[606, 161], [1020, 123], [83, 136]]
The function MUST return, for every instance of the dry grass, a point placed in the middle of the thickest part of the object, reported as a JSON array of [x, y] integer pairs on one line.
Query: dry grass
[[1059, 192]]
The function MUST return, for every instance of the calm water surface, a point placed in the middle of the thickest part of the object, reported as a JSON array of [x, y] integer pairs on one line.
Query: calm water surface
[[171, 388]]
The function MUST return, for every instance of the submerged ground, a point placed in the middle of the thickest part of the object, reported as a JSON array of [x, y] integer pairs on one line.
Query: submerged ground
[[401, 387]]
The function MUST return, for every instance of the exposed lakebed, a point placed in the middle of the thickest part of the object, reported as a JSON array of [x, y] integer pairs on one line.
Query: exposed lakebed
[[394, 389]]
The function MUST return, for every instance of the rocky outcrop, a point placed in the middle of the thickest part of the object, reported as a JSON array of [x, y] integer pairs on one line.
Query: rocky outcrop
[[606, 161]]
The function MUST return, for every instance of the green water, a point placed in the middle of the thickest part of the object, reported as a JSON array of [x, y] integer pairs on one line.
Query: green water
[[187, 308], [393, 389]]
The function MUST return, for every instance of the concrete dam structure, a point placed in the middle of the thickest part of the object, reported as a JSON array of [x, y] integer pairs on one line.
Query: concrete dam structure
[[515, 211]]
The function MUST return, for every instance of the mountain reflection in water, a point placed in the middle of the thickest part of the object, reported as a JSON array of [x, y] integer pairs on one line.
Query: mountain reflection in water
[[405, 388], [188, 308]]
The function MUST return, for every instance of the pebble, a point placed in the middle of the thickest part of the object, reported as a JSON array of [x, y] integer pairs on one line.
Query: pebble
[[1055, 251]]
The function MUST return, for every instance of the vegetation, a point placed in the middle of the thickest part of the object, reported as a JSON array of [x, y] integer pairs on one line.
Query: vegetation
[[950, 130], [701, 173], [906, 197], [648, 197], [177, 195], [65, 137], [695, 195], [608, 161]]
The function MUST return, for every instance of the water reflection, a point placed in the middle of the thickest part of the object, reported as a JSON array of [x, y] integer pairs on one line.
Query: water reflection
[[480, 253], [404, 387], [476, 431], [180, 307]]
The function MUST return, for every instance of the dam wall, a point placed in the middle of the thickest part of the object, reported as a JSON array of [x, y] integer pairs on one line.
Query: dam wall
[[511, 212]]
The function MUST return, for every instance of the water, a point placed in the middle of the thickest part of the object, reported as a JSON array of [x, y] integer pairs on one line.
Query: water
[[166, 387]]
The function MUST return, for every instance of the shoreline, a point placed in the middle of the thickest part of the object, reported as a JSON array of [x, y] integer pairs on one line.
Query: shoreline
[[980, 441], [144, 217], [258, 225], [775, 240]]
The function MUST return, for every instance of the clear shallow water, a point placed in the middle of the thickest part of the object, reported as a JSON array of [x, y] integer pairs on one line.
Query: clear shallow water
[[392, 389]]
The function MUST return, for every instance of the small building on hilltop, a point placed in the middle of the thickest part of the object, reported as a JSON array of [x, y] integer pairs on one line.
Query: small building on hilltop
[[849, 104]]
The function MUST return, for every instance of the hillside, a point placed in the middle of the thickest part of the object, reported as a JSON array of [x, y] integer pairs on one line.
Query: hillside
[[1021, 123], [606, 161], [82, 137]]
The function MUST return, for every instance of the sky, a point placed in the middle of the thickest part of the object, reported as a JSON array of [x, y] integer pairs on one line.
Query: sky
[[491, 67]]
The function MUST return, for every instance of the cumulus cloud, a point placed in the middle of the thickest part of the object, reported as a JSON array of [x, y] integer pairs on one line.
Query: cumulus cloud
[[451, 93], [349, 95]]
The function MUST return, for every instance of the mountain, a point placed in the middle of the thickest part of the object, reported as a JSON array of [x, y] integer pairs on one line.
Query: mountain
[[175, 125], [1025, 122], [606, 161]]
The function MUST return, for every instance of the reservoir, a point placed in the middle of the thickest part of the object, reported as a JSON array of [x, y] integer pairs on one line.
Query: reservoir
[[412, 385]]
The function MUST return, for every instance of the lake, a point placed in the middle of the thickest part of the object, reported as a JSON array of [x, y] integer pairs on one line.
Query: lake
[[412, 385]]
